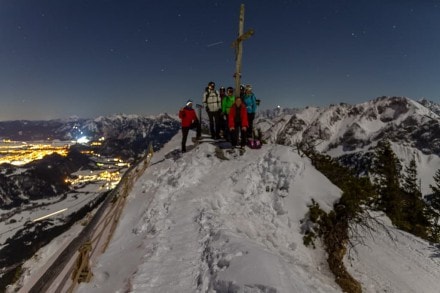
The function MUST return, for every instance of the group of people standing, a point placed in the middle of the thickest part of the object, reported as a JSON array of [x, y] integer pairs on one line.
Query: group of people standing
[[230, 117]]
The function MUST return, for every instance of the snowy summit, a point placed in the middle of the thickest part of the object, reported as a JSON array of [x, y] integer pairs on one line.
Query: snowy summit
[[196, 223]]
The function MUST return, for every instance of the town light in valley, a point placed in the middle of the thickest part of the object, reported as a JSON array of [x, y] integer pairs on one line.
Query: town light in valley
[[83, 139]]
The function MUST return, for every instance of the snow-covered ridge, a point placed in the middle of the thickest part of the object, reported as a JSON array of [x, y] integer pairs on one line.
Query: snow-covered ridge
[[116, 126], [344, 128], [199, 224], [350, 132], [354, 127], [195, 223], [434, 107]]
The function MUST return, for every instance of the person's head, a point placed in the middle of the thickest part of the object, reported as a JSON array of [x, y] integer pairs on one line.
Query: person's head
[[248, 89], [189, 103], [222, 89], [211, 85], [230, 91], [238, 101]]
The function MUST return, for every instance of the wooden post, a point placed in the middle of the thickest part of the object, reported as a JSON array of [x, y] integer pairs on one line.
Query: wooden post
[[82, 272], [239, 52], [238, 46]]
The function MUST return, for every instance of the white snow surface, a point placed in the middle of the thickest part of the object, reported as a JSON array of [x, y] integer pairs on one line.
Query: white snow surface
[[427, 165], [365, 120], [200, 224], [391, 260]]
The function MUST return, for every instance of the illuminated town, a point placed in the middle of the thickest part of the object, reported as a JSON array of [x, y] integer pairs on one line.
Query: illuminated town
[[21, 153], [109, 178]]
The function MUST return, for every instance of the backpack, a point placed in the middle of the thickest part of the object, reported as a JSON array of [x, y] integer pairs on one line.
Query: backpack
[[207, 93], [218, 100], [254, 143]]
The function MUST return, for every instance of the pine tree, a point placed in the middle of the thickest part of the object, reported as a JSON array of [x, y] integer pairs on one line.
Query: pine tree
[[414, 209], [435, 205], [410, 184], [386, 169], [435, 201]]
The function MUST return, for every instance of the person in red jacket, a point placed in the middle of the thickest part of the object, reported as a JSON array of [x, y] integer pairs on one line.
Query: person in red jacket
[[238, 122], [189, 121]]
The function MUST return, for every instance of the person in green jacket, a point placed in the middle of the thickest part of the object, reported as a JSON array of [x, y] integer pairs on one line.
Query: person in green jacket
[[227, 103]]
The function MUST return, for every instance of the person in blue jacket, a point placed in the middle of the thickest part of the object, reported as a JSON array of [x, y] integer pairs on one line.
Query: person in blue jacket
[[250, 101]]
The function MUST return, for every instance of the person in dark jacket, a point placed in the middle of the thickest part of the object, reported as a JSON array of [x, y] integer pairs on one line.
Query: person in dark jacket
[[238, 122], [189, 121]]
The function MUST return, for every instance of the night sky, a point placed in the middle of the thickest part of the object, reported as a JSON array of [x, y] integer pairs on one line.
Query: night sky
[[62, 58]]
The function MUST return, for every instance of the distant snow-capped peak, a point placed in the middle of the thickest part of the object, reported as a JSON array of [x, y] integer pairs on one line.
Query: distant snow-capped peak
[[352, 127], [434, 107]]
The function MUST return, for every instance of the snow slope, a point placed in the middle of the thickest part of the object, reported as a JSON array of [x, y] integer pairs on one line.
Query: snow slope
[[394, 261], [200, 224], [195, 223], [354, 130]]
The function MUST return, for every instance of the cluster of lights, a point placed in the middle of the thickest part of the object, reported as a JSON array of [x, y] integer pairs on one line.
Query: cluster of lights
[[112, 163], [91, 153], [20, 154], [112, 178], [120, 163]]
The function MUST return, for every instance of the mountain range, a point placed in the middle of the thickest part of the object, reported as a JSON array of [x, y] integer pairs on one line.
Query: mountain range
[[345, 128], [198, 223], [350, 132], [126, 136], [347, 132]]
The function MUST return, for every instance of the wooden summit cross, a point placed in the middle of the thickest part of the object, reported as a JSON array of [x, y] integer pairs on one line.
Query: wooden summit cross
[[238, 46]]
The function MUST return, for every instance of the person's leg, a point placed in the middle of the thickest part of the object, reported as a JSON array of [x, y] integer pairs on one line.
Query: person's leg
[[185, 131], [251, 117], [196, 125], [227, 135], [211, 123], [223, 125], [243, 138], [217, 117], [234, 137]]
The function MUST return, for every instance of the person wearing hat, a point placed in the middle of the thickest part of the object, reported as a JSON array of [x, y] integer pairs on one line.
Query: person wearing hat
[[213, 106], [251, 105], [222, 93], [189, 121]]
